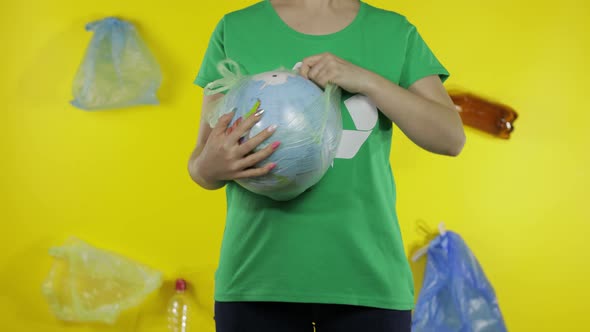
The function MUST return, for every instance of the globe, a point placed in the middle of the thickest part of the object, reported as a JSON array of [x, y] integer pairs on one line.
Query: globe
[[309, 127]]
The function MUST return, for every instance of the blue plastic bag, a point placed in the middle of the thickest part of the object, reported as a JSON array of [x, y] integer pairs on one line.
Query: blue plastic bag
[[456, 295], [118, 69]]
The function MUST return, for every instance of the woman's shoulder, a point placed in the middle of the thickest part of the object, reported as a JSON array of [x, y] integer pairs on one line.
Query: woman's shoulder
[[387, 16]]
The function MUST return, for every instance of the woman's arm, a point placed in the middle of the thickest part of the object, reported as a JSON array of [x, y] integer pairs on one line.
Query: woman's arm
[[202, 137], [425, 112]]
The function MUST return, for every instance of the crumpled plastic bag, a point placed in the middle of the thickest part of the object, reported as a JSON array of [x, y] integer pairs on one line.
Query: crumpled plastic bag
[[118, 69], [456, 295], [86, 284]]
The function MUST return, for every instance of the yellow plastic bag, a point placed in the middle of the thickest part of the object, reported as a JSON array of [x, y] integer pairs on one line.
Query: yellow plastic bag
[[86, 284]]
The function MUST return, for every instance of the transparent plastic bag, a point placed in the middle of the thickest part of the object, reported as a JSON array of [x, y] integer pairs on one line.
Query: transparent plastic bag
[[86, 284], [117, 71], [456, 295], [308, 119]]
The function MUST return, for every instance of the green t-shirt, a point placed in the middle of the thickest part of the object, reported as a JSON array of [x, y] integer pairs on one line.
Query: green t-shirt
[[338, 242]]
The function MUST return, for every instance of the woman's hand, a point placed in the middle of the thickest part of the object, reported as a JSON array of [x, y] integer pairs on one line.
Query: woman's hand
[[424, 112], [223, 158], [327, 68]]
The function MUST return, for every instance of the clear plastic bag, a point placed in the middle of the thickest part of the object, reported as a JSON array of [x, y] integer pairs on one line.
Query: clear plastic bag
[[308, 119], [117, 71], [456, 295], [86, 284]]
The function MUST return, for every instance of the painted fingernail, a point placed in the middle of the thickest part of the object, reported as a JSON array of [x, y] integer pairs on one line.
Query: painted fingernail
[[275, 145], [259, 113], [272, 128], [272, 166]]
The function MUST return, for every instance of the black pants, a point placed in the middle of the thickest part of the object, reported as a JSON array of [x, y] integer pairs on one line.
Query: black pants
[[303, 317]]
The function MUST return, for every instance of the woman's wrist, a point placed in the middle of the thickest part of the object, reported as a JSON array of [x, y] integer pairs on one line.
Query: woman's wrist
[[196, 172], [372, 84]]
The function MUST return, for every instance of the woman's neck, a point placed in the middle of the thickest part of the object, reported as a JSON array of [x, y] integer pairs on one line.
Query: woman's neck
[[316, 4], [317, 17]]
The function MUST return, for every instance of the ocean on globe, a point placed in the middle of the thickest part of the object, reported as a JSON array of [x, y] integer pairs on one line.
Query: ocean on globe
[[309, 127]]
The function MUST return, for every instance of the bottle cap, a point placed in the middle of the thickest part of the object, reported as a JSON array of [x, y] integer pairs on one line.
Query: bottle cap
[[180, 285]]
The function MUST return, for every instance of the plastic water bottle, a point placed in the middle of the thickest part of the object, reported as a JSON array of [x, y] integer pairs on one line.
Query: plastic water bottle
[[180, 309]]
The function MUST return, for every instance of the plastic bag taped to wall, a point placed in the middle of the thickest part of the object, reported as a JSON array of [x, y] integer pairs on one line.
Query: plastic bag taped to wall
[[86, 284], [456, 296], [118, 69]]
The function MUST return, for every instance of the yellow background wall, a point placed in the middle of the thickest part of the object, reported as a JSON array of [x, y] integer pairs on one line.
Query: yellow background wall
[[118, 179]]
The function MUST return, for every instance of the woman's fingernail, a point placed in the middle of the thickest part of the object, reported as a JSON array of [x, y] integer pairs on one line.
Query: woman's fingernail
[[275, 145], [272, 128], [259, 113], [272, 166]]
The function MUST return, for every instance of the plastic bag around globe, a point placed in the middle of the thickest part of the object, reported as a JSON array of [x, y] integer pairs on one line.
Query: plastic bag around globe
[[86, 284], [118, 69], [308, 120], [456, 295]]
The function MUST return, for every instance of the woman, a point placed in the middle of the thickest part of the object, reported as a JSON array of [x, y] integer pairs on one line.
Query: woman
[[334, 255]]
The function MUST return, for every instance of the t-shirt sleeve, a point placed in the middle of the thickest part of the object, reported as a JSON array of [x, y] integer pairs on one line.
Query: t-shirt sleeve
[[214, 54], [419, 61]]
